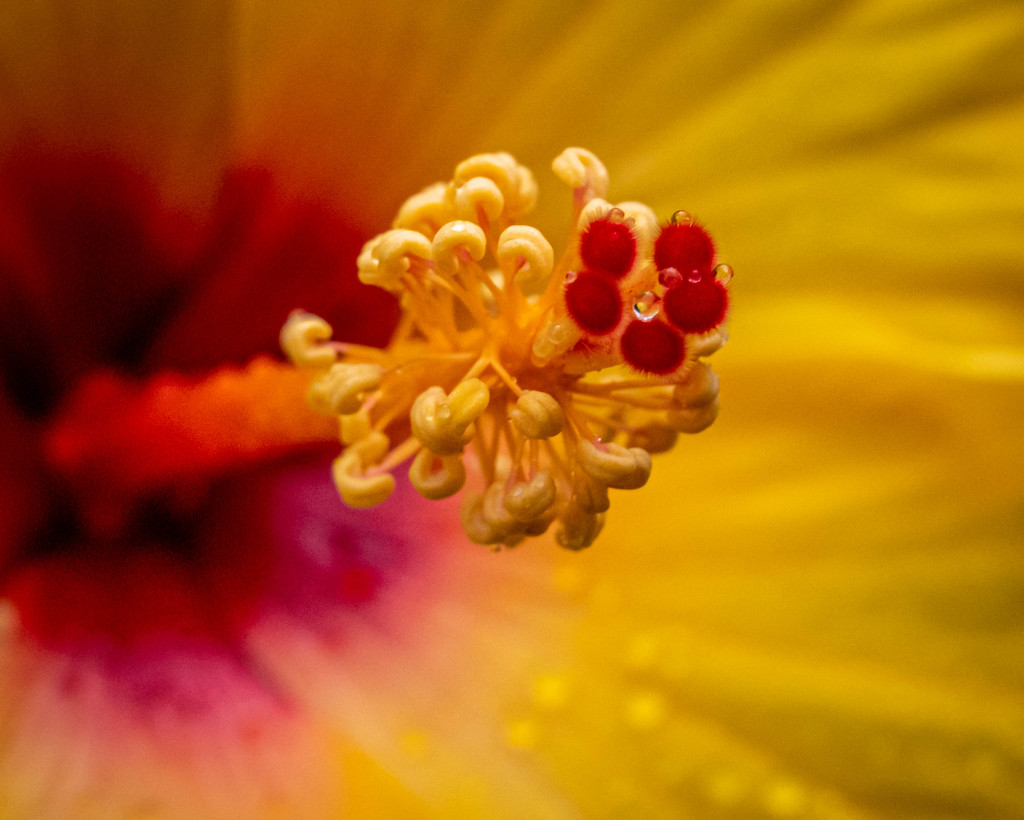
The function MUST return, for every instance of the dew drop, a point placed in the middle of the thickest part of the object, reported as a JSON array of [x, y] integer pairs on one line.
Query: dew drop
[[723, 273], [570, 277], [681, 218], [670, 277], [726, 788], [645, 710], [646, 306], [616, 215], [521, 733], [785, 799], [551, 692], [641, 652]]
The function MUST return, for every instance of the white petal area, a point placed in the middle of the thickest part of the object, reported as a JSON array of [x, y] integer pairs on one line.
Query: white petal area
[[417, 685], [181, 732]]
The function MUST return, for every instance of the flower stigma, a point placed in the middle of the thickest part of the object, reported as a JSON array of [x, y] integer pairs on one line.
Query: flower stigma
[[555, 381]]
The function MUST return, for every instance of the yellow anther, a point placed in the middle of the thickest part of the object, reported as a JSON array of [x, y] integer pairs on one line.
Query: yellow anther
[[477, 196], [537, 415], [700, 387], [426, 211], [514, 181], [455, 241], [654, 438], [388, 257], [303, 340], [615, 466], [582, 171], [693, 419], [367, 263], [358, 489], [342, 389], [553, 339], [528, 501], [708, 343], [526, 257], [478, 528], [441, 421], [499, 167], [436, 477], [540, 524], [579, 528], [695, 400], [590, 495], [354, 427], [495, 511]]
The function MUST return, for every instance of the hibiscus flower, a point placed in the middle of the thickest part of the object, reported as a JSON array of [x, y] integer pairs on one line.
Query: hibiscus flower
[[813, 608]]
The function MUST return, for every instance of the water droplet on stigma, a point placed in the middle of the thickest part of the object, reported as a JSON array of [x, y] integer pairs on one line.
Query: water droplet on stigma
[[669, 278], [646, 306]]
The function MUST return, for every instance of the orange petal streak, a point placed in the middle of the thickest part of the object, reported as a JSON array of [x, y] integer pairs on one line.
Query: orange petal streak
[[132, 437]]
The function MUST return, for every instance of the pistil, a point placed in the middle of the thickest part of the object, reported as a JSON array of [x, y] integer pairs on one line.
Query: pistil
[[554, 381]]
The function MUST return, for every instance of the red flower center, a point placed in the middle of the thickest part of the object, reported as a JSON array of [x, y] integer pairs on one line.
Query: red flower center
[[137, 433]]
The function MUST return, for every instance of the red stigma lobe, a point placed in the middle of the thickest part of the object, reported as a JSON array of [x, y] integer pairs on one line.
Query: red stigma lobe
[[594, 303], [608, 246], [686, 247], [653, 347], [696, 305]]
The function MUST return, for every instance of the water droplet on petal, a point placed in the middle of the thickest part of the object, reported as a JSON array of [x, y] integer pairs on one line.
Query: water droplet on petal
[[726, 788], [641, 652], [646, 306], [646, 710], [723, 273], [785, 798], [551, 692], [521, 733], [682, 218], [570, 277]]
